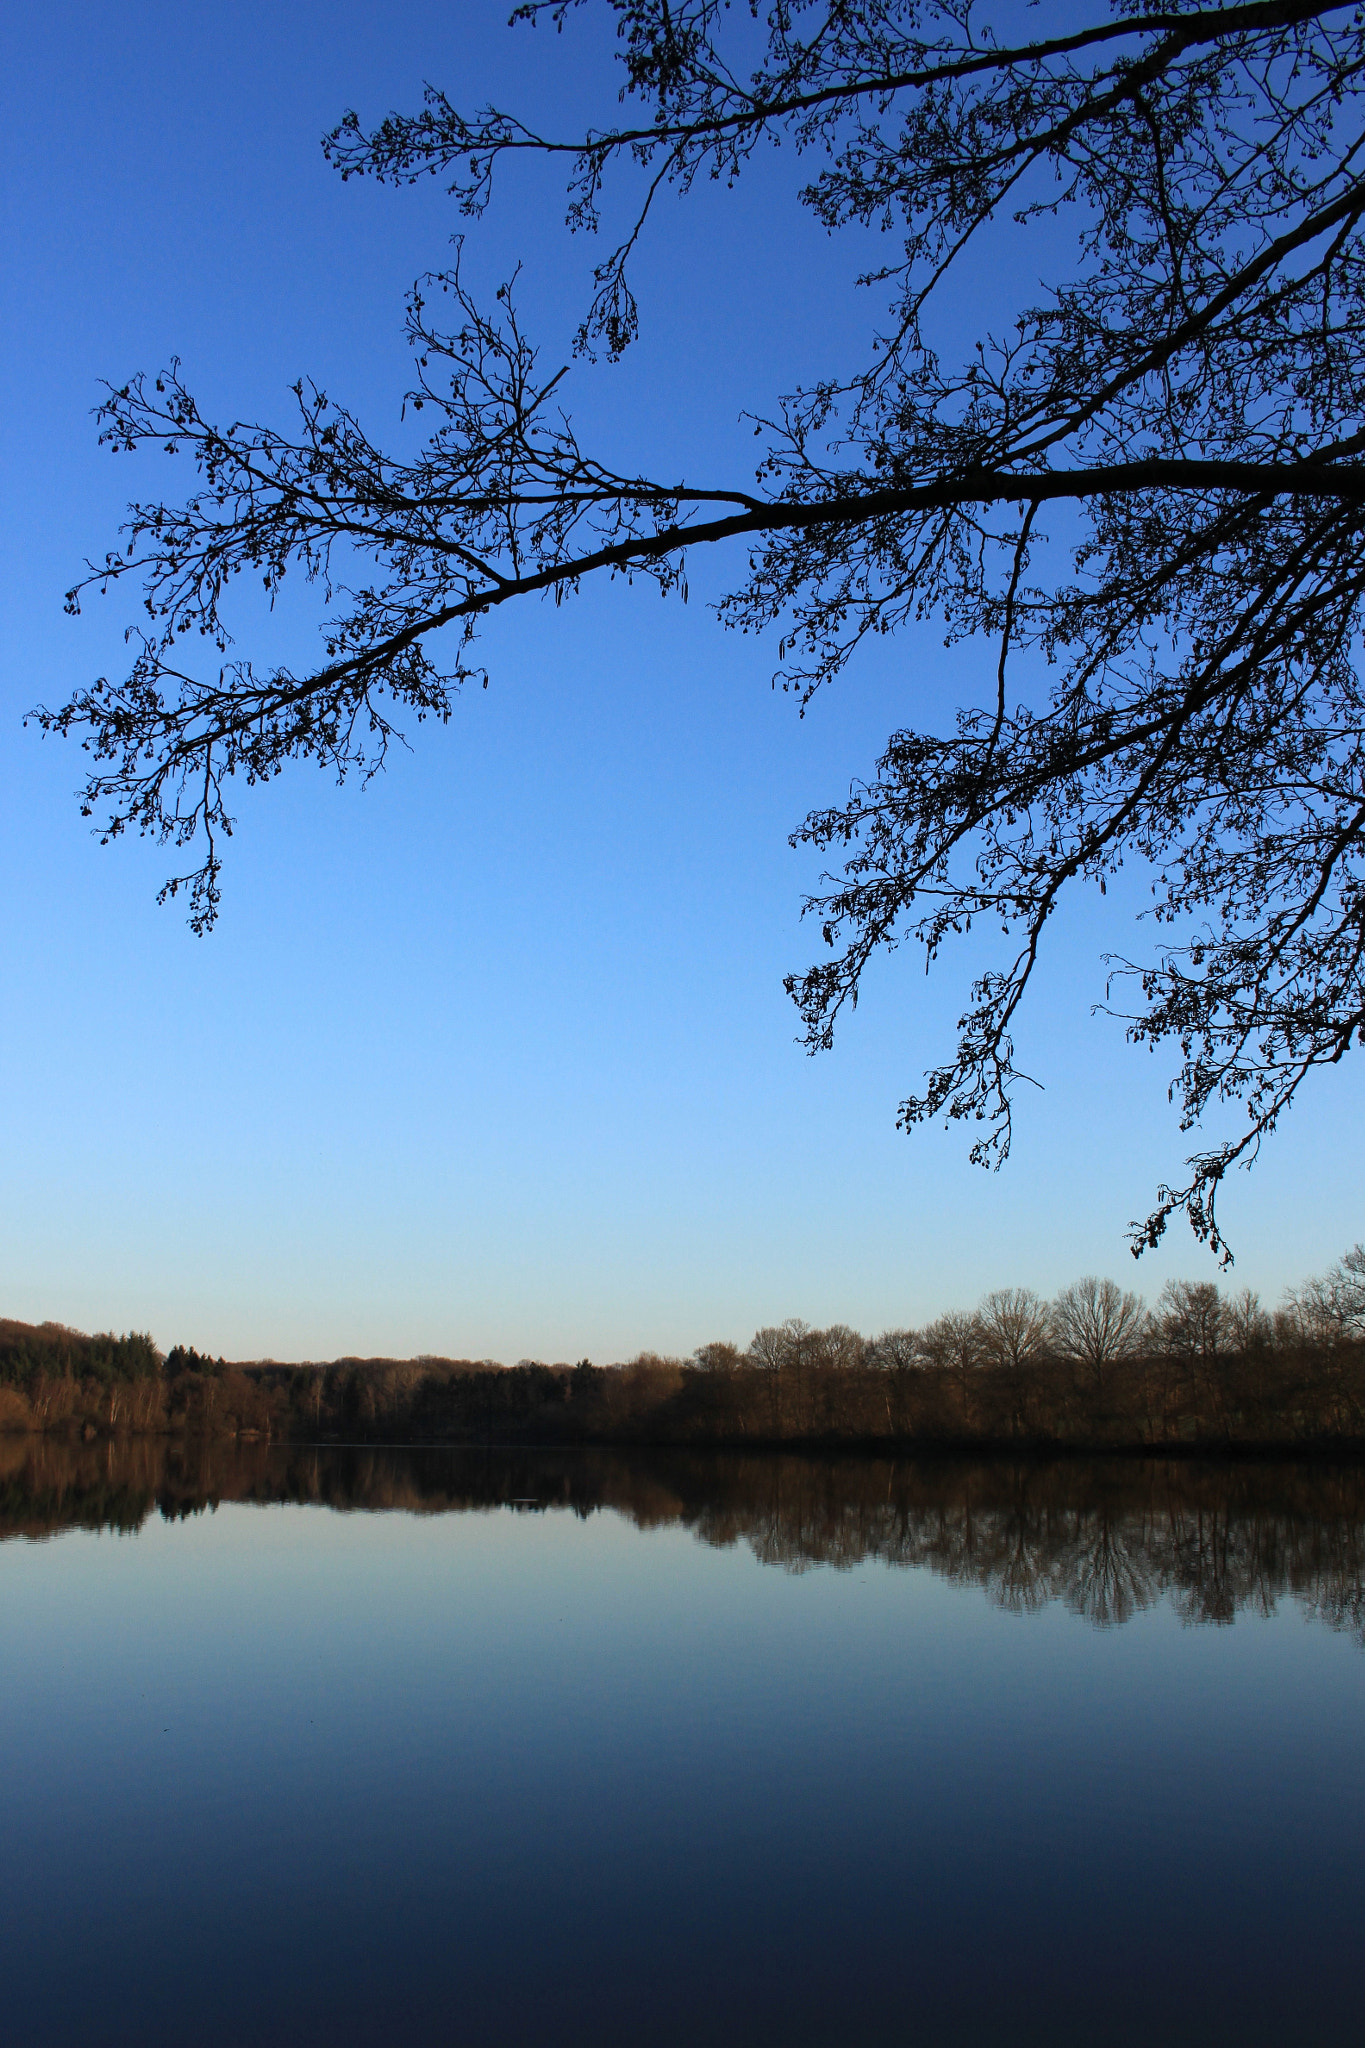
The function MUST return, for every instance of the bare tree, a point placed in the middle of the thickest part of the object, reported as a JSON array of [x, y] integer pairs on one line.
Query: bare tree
[[1015, 1331], [1190, 1318], [897, 1351], [1248, 1333], [1247, 1326], [838, 1347], [1331, 1307], [1015, 1326], [954, 1344], [1096, 1322], [776, 1350], [718, 1357], [899, 1356]]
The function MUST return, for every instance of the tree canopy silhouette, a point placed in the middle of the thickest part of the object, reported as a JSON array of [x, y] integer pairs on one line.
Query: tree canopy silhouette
[[1186, 389]]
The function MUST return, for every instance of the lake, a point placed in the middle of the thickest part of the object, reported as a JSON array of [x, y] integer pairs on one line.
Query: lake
[[355, 1746]]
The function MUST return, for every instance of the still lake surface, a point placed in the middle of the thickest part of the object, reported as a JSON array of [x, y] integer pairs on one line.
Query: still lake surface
[[358, 1746]]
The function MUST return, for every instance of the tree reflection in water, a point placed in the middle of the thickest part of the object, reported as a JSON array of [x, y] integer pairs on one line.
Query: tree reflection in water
[[1109, 1537]]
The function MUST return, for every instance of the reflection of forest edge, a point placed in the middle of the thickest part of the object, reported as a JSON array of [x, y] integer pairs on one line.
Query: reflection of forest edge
[[1107, 1536]]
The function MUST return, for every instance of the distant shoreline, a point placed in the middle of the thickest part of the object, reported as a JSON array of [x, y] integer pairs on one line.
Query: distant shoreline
[[1238, 1388]]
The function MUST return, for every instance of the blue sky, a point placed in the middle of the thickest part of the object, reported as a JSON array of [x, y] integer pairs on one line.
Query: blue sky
[[492, 1057]]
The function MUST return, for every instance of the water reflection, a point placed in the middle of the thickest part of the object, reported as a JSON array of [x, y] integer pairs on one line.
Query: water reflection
[[1107, 1538]]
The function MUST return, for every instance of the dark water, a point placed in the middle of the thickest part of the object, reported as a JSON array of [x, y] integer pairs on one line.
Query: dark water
[[362, 1747]]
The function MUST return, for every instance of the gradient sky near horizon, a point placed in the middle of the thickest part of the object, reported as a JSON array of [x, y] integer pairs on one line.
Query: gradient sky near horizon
[[491, 1058]]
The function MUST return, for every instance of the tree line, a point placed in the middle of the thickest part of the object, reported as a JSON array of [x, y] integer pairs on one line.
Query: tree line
[[1095, 1366]]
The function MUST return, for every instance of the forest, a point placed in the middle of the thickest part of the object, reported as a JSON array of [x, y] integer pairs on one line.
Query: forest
[[1094, 1368]]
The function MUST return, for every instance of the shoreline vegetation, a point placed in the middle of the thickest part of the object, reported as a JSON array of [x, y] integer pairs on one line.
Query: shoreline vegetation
[[1092, 1370]]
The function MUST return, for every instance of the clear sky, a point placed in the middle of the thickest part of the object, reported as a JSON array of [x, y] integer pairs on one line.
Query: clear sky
[[493, 1057]]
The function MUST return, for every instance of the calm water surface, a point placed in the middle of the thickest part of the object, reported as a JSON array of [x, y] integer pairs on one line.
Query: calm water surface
[[356, 1747]]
